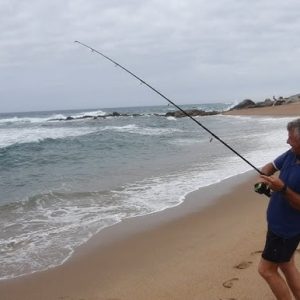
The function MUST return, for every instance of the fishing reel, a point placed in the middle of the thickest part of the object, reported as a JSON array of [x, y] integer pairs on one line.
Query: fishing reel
[[262, 188]]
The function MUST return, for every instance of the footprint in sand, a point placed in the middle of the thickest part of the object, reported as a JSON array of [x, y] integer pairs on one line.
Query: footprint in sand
[[68, 298], [256, 252], [229, 283], [243, 265]]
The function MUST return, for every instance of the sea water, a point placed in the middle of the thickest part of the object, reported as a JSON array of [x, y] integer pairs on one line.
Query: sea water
[[62, 181]]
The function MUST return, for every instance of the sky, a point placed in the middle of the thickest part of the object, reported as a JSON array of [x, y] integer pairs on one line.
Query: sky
[[193, 51]]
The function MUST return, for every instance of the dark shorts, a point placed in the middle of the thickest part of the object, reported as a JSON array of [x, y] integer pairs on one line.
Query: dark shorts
[[278, 249]]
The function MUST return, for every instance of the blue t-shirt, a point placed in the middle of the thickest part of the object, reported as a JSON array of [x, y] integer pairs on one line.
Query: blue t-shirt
[[283, 219]]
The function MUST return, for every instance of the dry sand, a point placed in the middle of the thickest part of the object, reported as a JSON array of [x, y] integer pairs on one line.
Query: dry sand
[[193, 251]]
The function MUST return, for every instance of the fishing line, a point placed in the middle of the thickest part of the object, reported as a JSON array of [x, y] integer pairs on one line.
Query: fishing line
[[171, 102]]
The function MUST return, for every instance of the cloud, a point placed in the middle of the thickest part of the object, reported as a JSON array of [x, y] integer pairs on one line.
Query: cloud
[[188, 48]]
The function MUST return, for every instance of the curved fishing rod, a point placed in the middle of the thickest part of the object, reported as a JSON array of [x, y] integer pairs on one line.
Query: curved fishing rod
[[175, 105]]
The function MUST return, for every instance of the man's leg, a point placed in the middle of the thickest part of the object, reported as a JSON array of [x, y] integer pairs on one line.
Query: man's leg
[[292, 276], [269, 271]]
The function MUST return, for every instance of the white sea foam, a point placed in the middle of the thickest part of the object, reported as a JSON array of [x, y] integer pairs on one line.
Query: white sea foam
[[33, 120], [30, 120], [170, 118], [135, 129], [185, 141], [89, 113], [11, 136], [49, 231], [18, 135], [55, 117], [18, 120]]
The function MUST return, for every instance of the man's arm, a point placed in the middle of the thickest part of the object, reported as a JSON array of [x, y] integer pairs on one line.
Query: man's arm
[[268, 169], [293, 198], [278, 185]]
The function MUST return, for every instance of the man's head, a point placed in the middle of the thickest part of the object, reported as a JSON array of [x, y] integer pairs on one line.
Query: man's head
[[293, 140]]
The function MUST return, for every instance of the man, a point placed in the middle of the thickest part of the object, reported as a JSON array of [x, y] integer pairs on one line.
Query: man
[[283, 216]]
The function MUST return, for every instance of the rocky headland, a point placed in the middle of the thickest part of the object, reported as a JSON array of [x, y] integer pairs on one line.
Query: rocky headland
[[248, 103]]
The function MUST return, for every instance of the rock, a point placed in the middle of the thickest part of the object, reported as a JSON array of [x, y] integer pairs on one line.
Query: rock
[[266, 103], [247, 103], [190, 112], [279, 102], [292, 99]]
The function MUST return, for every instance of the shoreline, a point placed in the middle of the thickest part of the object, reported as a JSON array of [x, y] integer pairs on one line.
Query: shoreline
[[125, 227], [160, 256]]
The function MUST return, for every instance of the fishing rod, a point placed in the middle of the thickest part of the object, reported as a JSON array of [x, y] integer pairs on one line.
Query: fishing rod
[[175, 105]]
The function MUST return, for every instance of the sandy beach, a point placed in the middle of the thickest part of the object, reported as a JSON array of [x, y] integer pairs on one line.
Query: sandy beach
[[192, 251]]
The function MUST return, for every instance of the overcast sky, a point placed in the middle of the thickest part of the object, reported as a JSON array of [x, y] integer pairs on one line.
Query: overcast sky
[[193, 51]]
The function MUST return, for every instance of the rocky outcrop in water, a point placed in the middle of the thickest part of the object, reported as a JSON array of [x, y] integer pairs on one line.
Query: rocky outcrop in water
[[176, 114], [113, 114], [190, 112]]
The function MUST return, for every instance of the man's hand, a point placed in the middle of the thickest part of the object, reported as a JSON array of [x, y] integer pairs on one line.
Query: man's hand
[[273, 182]]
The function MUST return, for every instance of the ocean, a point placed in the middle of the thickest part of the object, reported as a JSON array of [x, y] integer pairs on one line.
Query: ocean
[[62, 181]]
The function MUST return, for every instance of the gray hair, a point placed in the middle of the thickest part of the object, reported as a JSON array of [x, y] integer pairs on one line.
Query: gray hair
[[295, 124]]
